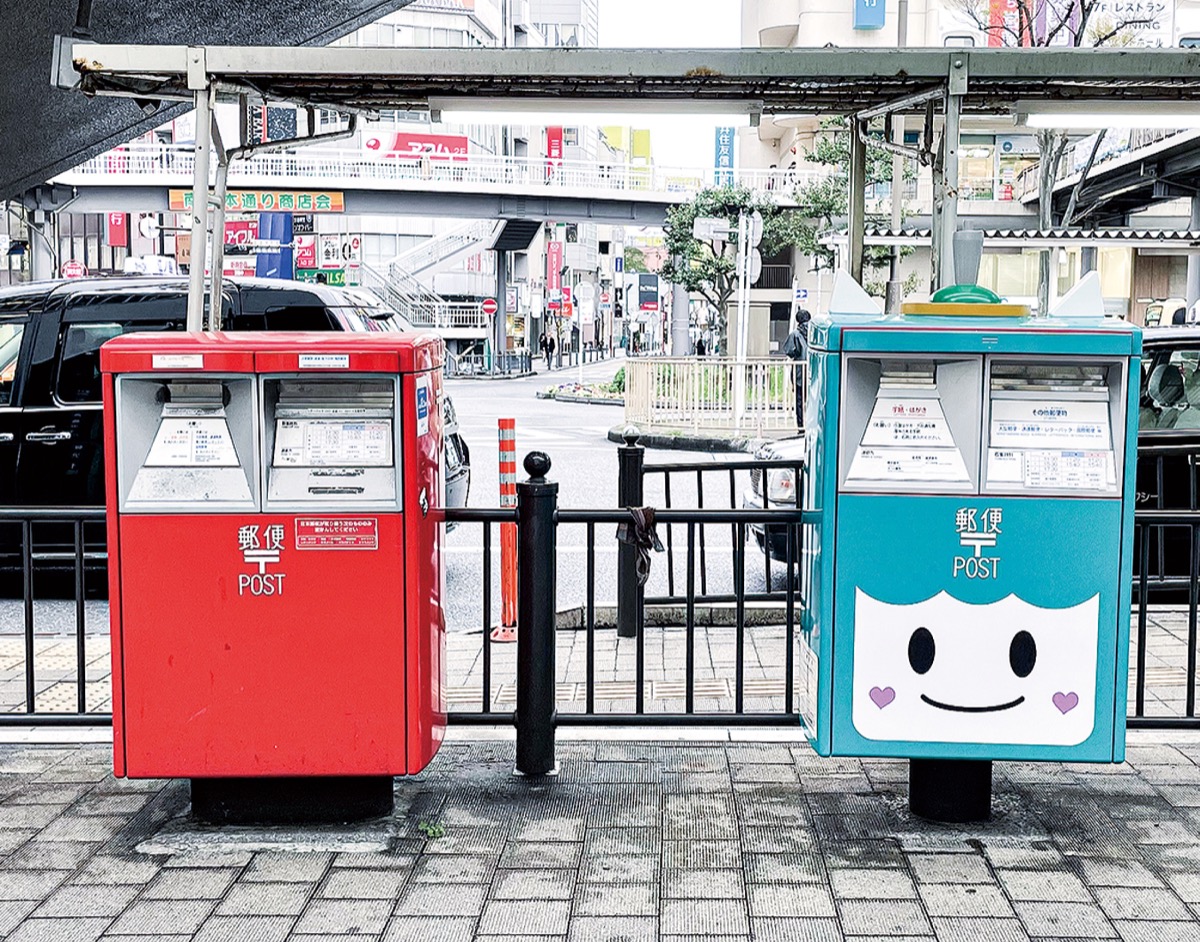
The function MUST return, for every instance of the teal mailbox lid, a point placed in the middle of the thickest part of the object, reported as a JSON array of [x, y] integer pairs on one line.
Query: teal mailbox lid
[[1100, 336]]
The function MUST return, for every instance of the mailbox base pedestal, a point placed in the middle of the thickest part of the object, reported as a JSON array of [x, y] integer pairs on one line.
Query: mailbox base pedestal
[[954, 791], [303, 800]]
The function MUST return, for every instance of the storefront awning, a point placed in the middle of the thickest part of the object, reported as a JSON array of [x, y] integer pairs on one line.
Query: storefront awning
[[1182, 239]]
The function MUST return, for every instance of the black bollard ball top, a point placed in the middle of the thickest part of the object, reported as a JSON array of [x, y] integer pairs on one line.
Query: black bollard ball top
[[631, 435], [537, 464]]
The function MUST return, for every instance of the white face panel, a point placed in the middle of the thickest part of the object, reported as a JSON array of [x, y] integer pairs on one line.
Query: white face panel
[[949, 671]]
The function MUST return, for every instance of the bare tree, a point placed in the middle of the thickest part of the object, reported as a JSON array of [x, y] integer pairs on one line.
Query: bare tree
[[1042, 23]]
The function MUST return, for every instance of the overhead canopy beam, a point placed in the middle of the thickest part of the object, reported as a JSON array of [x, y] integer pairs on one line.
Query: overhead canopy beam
[[805, 81]]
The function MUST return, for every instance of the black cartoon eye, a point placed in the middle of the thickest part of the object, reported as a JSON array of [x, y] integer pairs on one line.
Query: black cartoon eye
[[921, 650], [1022, 653]]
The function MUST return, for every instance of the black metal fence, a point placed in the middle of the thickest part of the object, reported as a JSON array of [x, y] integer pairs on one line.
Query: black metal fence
[[53, 552], [53, 558]]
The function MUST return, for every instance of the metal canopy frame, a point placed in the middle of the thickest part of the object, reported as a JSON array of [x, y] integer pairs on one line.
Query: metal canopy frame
[[859, 84]]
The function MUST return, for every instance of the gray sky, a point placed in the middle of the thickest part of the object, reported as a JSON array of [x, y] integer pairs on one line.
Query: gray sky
[[678, 141]]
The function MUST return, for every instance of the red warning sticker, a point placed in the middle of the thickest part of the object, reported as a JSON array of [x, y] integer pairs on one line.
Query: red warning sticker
[[337, 533]]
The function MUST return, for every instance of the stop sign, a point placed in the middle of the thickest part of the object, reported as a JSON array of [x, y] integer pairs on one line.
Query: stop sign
[[490, 307]]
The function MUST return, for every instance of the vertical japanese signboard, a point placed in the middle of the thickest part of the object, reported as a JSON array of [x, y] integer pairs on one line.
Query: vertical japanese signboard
[[554, 151], [118, 230], [723, 157], [554, 261], [869, 14]]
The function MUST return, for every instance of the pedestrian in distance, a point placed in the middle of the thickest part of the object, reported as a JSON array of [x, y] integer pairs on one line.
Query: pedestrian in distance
[[550, 347], [795, 348], [544, 347], [700, 346]]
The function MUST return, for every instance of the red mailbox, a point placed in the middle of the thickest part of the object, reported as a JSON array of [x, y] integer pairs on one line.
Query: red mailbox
[[275, 517]]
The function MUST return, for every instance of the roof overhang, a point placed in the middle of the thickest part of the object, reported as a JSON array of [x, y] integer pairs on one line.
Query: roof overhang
[[813, 81], [1180, 239]]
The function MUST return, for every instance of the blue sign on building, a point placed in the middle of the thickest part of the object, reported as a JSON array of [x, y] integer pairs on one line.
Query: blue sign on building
[[869, 14], [723, 157]]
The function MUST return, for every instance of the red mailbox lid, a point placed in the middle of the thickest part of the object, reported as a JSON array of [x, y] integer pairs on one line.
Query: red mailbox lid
[[272, 352]]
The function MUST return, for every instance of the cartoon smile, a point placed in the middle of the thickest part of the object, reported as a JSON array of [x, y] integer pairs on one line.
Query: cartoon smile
[[948, 671], [973, 709]]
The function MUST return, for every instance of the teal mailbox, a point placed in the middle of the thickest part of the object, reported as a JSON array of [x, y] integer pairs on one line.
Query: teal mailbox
[[970, 499]]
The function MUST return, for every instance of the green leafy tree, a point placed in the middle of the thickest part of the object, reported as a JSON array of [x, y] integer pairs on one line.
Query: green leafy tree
[[709, 267], [635, 259], [825, 203]]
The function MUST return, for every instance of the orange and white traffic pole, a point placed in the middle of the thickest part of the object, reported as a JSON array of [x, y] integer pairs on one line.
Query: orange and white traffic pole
[[507, 629]]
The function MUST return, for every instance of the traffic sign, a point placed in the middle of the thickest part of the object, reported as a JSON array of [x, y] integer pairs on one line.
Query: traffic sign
[[489, 307], [73, 268], [605, 297]]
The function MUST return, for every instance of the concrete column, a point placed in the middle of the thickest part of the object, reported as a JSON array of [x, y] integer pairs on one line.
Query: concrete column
[[42, 239], [681, 341], [1193, 260]]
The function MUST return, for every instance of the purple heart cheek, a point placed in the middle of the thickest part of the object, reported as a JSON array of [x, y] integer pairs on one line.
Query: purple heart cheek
[[1066, 702], [882, 696]]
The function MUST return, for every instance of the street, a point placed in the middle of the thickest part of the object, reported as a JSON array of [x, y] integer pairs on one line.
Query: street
[[584, 463]]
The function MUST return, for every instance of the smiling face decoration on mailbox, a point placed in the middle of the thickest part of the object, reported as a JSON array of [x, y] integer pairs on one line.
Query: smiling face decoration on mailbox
[[949, 671]]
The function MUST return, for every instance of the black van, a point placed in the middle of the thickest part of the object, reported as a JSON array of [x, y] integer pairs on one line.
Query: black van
[[51, 437]]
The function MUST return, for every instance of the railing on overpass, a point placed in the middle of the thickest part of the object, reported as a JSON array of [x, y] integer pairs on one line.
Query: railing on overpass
[[754, 396], [168, 164], [422, 307], [1117, 145]]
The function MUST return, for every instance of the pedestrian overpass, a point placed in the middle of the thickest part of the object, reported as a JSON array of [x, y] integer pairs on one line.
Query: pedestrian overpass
[[141, 177]]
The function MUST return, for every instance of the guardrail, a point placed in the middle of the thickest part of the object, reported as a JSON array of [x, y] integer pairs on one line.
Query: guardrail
[[173, 163], [512, 362], [715, 393]]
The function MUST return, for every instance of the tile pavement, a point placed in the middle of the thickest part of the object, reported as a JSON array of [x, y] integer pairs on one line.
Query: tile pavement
[[655, 841]]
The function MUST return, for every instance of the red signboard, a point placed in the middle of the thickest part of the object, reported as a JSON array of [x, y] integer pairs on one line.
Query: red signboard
[[554, 150], [306, 251], [241, 231], [415, 146], [489, 307], [337, 533], [554, 262], [118, 230]]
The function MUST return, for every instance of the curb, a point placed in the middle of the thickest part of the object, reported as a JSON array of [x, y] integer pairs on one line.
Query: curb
[[583, 400], [681, 440], [491, 377]]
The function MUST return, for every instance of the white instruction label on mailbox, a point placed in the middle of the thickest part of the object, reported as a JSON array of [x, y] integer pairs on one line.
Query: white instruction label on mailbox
[[324, 361], [177, 361]]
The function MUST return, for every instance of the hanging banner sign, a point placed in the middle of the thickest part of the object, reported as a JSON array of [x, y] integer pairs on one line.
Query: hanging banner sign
[[118, 230], [554, 264], [554, 150]]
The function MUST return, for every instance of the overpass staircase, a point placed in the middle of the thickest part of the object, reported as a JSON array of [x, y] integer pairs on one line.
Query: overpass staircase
[[398, 281]]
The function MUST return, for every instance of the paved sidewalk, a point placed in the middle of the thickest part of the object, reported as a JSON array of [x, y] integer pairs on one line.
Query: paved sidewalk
[[636, 841]]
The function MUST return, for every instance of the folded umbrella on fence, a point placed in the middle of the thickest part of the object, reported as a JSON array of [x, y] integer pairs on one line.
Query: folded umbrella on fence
[[642, 535]]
